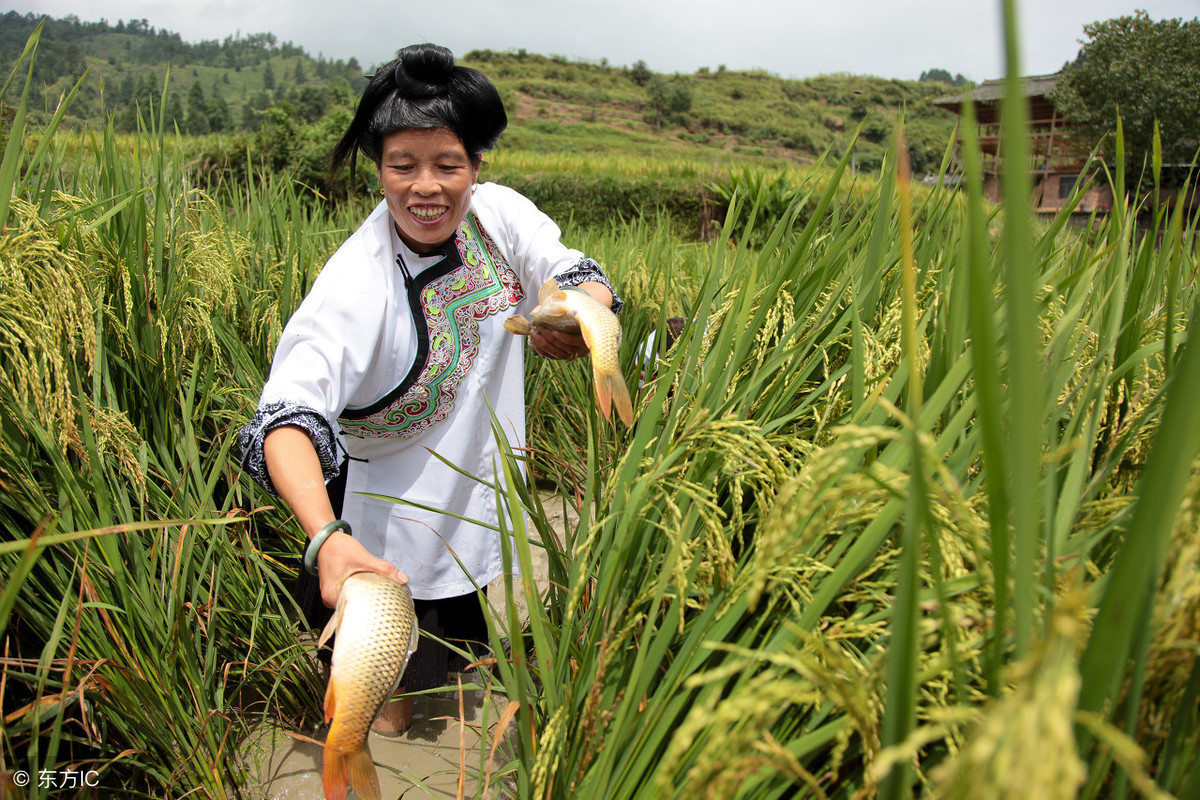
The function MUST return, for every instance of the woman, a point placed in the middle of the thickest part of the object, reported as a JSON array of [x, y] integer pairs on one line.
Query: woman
[[399, 350]]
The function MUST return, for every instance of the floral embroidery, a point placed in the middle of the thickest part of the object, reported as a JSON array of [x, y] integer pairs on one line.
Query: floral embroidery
[[453, 306]]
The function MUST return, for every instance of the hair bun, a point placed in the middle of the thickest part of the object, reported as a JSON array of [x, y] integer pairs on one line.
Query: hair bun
[[423, 70], [422, 88]]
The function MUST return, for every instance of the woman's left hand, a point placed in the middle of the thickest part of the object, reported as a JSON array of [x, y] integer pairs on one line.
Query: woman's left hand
[[557, 345]]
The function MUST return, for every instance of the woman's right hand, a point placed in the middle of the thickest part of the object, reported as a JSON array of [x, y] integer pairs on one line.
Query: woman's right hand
[[342, 555]]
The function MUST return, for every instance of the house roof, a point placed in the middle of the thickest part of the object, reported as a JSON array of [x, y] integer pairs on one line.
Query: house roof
[[990, 91]]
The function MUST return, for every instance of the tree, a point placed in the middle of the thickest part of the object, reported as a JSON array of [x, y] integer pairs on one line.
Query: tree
[[197, 111], [669, 99], [175, 116], [252, 111], [219, 117], [941, 76], [640, 74], [1140, 71], [142, 104], [311, 103], [125, 90]]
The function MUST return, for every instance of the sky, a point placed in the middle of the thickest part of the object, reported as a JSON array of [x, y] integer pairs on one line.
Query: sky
[[789, 38]]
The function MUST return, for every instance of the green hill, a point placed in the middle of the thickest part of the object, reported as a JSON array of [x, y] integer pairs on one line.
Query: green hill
[[555, 104], [207, 87]]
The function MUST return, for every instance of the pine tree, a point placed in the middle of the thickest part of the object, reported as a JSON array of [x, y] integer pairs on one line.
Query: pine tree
[[197, 111], [219, 118], [175, 116]]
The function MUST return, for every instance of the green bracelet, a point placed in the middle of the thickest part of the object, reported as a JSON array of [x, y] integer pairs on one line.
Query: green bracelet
[[310, 552]]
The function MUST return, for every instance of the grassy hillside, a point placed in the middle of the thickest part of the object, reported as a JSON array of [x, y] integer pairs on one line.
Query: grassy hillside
[[581, 106], [555, 104]]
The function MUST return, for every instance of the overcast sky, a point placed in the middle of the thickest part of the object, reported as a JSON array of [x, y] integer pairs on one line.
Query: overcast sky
[[791, 38]]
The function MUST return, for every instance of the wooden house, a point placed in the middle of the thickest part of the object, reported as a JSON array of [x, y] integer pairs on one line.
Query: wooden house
[[1058, 159]]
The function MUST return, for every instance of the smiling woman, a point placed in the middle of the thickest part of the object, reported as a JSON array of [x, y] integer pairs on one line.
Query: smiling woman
[[399, 353]]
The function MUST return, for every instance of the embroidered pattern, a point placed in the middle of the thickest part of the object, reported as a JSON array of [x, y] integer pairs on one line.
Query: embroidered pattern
[[453, 305]]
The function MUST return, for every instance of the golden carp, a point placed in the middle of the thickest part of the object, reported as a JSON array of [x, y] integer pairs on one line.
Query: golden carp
[[578, 312], [376, 633]]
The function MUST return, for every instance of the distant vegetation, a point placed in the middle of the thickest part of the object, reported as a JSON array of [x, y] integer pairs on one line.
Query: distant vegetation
[[1145, 73], [942, 76], [213, 86], [239, 84]]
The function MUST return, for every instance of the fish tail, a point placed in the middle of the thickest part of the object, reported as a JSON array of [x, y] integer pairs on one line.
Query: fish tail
[[622, 400], [363, 777], [334, 774], [356, 768], [518, 325], [330, 700], [610, 389]]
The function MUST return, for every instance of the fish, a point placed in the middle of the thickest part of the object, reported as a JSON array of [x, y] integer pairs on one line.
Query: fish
[[376, 627], [579, 312]]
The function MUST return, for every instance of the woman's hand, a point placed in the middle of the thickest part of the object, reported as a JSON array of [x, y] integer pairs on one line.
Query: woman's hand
[[341, 555], [566, 346], [556, 344]]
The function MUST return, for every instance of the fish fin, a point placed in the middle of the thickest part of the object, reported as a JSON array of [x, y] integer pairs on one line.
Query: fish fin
[[363, 776], [548, 288], [518, 325], [330, 700], [334, 621], [327, 631]]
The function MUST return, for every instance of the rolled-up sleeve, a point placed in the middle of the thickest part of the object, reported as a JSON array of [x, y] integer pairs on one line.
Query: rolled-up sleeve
[[272, 415], [587, 270]]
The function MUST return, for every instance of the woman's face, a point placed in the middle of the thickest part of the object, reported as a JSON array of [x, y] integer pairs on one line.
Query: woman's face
[[427, 177]]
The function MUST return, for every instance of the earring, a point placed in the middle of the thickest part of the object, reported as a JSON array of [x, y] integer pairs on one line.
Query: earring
[[381, 192], [474, 186]]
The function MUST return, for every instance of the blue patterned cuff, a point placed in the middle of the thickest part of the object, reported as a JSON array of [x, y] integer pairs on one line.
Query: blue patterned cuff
[[588, 270], [270, 416]]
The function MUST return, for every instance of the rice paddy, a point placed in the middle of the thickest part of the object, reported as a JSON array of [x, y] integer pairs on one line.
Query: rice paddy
[[909, 509]]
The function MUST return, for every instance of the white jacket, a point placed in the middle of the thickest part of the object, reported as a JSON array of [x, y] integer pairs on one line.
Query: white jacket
[[344, 370]]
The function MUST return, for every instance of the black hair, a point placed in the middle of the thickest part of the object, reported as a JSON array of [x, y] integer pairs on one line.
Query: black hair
[[422, 88]]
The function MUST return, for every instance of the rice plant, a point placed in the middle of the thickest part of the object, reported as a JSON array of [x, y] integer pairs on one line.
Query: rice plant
[[144, 620], [894, 518], [909, 504], [729, 616]]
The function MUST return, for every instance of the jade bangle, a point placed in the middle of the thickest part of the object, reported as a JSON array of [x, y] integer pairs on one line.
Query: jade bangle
[[310, 552]]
